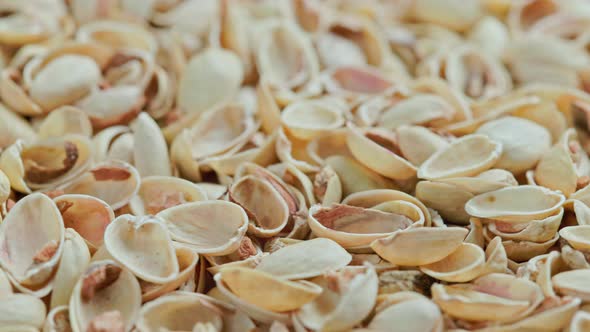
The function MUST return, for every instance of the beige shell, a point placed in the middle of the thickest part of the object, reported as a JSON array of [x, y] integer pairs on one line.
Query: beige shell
[[466, 156], [157, 193], [419, 109], [309, 119], [354, 177], [399, 247], [515, 204], [577, 236], [540, 230], [114, 182], [352, 82], [65, 120], [187, 263], [417, 143], [352, 226], [327, 187], [31, 257], [181, 311], [378, 153], [267, 291], [348, 297], [142, 245], [494, 297], [73, 262], [47, 163], [573, 283], [87, 215], [116, 105], [208, 227], [106, 291], [116, 34], [293, 151], [306, 259], [560, 166], [210, 77], [150, 153], [13, 127], [447, 199], [58, 320], [22, 310], [265, 204], [580, 322], [524, 142], [420, 313], [102, 141], [451, 14], [329, 144], [464, 264], [521, 251]]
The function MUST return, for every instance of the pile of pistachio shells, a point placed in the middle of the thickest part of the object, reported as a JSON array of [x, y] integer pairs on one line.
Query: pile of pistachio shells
[[294, 165]]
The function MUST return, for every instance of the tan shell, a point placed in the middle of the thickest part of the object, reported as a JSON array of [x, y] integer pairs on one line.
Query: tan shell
[[348, 297], [515, 204], [374, 151], [308, 119], [267, 291], [293, 151], [327, 187], [464, 264], [181, 311], [58, 320], [13, 127], [157, 193], [31, 257], [150, 153], [117, 34], [399, 247], [22, 310], [494, 297], [114, 182], [187, 262], [105, 288], [417, 143], [466, 156], [420, 313], [450, 14], [329, 144], [419, 109], [524, 142], [521, 251], [355, 177], [352, 226], [65, 120], [87, 215], [208, 227], [210, 78], [573, 283], [580, 322], [306, 259], [73, 262], [447, 199], [540, 230], [46, 163], [577, 236]]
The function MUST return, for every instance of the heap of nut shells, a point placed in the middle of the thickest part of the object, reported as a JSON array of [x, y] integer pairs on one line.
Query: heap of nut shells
[[294, 165]]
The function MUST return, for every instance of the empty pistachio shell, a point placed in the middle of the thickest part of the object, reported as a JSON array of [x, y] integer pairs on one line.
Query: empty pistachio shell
[[150, 154], [142, 245], [515, 204], [467, 156], [65, 120], [22, 310], [306, 120], [158, 193], [463, 264], [573, 283], [305, 259], [268, 292], [31, 257], [209, 227], [421, 314]]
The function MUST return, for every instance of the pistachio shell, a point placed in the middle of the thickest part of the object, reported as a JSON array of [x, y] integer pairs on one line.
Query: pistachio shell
[[466, 156], [573, 283], [421, 314], [308, 119], [399, 247], [65, 120], [22, 309], [464, 264], [150, 154], [158, 193], [577, 236], [142, 245], [208, 227]]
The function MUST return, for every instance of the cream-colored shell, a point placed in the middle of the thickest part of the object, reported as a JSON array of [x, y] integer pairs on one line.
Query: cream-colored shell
[[157, 193]]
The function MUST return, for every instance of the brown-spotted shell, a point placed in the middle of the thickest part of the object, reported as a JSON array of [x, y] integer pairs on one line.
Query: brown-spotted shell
[[157, 193]]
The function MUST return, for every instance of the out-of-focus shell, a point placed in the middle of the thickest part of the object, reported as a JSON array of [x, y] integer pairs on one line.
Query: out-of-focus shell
[[182, 311], [574, 283], [327, 187], [420, 313], [515, 204], [355, 177], [267, 291], [87, 215], [355, 82], [523, 142], [31, 257], [308, 119], [378, 153], [451, 14], [158, 193], [580, 322], [210, 78], [306, 259], [150, 153], [105, 293], [143, 245], [22, 310], [577, 236], [208, 227], [58, 320], [352, 226], [65, 120], [417, 143], [114, 182], [117, 35], [73, 262], [399, 247], [466, 156], [330, 144], [419, 109], [13, 128], [112, 106], [348, 297], [494, 297]]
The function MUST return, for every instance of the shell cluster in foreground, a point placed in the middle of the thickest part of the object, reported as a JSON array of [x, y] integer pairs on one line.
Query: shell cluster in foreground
[[294, 165]]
